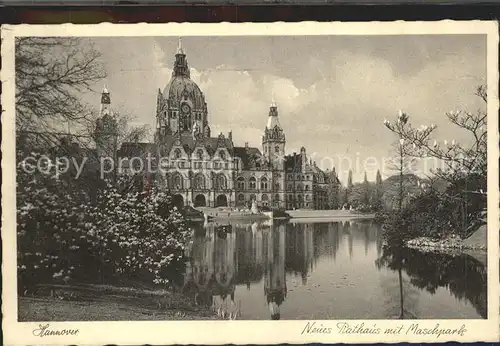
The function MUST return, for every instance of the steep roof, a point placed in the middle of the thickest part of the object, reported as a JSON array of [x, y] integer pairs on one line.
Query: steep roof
[[190, 143], [187, 141], [133, 149], [293, 162], [249, 156]]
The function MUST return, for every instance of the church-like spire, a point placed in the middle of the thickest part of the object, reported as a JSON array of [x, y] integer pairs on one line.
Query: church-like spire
[[179, 47], [272, 120], [273, 102], [105, 99], [181, 65], [105, 108]]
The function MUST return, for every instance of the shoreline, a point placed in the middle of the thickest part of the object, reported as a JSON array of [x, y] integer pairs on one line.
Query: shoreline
[[88, 302], [451, 246]]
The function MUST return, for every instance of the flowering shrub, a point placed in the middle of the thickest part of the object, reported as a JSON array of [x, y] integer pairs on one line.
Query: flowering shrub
[[137, 233], [64, 235]]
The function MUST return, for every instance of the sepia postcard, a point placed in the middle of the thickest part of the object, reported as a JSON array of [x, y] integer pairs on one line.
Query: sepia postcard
[[250, 183]]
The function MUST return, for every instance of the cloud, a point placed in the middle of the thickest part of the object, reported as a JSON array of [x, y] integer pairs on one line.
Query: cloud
[[340, 114], [334, 104]]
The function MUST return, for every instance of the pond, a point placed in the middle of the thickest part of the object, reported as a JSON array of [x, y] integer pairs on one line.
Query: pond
[[328, 270]]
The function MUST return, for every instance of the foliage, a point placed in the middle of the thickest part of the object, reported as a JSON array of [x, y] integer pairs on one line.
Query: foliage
[[398, 227], [391, 190], [438, 214], [458, 206], [64, 235], [377, 191]]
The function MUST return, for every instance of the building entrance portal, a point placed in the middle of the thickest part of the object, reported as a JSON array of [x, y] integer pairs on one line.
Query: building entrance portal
[[178, 201], [200, 201], [221, 201]]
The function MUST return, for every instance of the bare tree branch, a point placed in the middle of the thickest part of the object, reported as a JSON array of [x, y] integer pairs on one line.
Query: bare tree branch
[[51, 75]]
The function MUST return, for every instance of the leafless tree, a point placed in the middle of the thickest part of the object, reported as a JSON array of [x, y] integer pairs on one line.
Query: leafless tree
[[51, 75], [460, 159]]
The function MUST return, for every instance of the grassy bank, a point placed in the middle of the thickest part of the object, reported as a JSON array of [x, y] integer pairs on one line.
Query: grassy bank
[[108, 303]]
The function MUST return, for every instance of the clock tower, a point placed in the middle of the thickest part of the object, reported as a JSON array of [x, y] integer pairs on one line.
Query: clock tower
[[273, 146], [273, 141]]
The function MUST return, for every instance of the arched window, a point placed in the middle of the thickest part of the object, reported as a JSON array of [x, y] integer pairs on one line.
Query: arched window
[[276, 197], [241, 197], [300, 198], [300, 187], [307, 187], [177, 181], [222, 155], [265, 198], [199, 181], [252, 197], [252, 183], [177, 153], [221, 182], [263, 183], [199, 154], [241, 183], [276, 149], [277, 186]]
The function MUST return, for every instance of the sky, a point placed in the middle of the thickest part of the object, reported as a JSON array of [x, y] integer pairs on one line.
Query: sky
[[333, 92]]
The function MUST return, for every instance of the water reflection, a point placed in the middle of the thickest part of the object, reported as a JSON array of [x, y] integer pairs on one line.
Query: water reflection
[[462, 275], [330, 270]]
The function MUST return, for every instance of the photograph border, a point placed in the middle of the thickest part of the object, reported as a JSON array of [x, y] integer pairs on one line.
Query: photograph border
[[239, 331]]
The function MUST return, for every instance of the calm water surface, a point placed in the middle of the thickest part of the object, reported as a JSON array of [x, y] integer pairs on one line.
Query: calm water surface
[[330, 270]]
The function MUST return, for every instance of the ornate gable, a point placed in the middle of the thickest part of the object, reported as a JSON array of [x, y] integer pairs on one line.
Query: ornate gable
[[221, 141]]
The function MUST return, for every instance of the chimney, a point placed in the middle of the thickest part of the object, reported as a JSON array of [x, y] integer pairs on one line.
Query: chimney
[[230, 135], [246, 145]]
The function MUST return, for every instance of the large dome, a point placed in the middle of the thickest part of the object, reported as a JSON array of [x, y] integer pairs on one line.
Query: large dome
[[184, 88], [181, 89]]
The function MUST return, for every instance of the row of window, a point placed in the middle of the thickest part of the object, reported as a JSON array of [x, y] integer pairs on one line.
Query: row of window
[[299, 177], [264, 198], [252, 184], [199, 182], [300, 187], [201, 165], [299, 198], [173, 115], [199, 154], [241, 197]]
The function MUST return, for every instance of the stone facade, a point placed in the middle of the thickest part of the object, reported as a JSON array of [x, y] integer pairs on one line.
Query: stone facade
[[201, 170]]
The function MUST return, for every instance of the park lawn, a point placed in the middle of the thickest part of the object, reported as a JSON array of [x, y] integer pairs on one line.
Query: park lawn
[[108, 303]]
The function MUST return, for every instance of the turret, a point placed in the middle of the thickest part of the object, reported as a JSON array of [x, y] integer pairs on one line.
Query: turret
[[106, 135], [273, 141], [105, 108], [181, 65], [303, 157]]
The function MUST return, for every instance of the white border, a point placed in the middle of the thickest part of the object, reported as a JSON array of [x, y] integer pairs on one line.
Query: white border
[[238, 332]]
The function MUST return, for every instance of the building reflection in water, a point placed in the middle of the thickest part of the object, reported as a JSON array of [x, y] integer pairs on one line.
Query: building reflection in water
[[227, 258], [275, 281], [210, 274], [223, 257]]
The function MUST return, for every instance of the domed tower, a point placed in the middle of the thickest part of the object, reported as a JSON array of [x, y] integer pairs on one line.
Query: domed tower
[[181, 107]]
